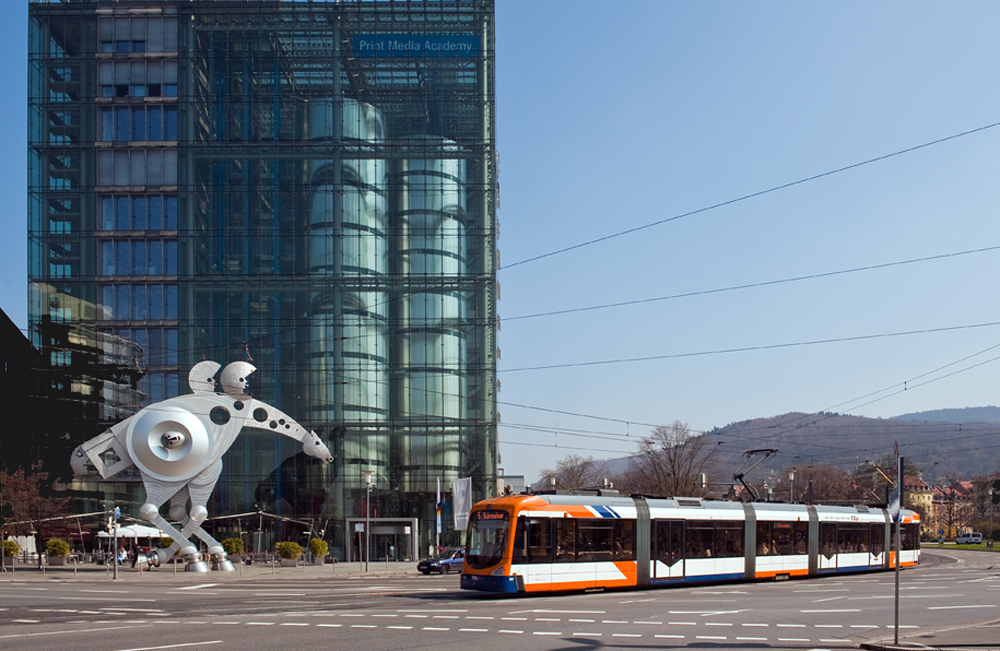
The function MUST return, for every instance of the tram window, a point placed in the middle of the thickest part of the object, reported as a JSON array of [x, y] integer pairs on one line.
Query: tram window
[[539, 540], [520, 554], [909, 537], [800, 532], [594, 540], [845, 539], [700, 539], [877, 536], [565, 540], [828, 539], [729, 539], [765, 546], [624, 540]]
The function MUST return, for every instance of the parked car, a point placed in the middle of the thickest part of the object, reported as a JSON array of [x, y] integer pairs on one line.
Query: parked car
[[449, 561], [971, 538]]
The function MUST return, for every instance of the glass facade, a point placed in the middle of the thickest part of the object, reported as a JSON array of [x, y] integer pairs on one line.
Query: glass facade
[[310, 186]]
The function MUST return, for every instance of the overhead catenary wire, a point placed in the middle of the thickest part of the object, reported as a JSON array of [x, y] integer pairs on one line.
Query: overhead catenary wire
[[752, 195]]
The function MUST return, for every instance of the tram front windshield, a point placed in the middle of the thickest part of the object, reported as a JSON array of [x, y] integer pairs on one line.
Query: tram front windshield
[[487, 539]]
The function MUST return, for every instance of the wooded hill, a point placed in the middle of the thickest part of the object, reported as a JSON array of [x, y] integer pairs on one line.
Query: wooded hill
[[962, 442]]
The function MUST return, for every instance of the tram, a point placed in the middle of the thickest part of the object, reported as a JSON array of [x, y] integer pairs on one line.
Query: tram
[[545, 543]]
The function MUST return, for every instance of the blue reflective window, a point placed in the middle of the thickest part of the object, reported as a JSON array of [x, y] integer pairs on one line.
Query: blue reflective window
[[171, 207], [142, 338], [171, 302], [107, 125], [122, 213], [107, 258], [170, 90], [122, 265], [156, 343], [121, 124], [171, 124], [155, 302], [155, 258], [171, 261], [107, 299], [172, 347], [139, 258], [138, 124], [139, 305], [139, 213], [155, 213], [107, 213], [122, 302], [156, 124]]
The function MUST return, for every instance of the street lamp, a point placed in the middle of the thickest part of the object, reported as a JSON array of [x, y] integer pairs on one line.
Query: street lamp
[[368, 474], [791, 485]]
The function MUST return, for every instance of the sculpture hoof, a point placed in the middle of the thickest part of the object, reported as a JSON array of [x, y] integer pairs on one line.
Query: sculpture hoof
[[199, 514]]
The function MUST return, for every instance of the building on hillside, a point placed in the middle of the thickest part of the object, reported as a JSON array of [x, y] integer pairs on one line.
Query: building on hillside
[[308, 186], [952, 509], [919, 495]]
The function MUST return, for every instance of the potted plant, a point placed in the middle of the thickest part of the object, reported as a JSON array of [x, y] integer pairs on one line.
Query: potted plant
[[57, 551], [10, 551], [233, 548], [319, 549], [290, 552]]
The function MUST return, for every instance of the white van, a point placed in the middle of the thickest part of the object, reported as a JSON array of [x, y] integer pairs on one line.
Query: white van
[[972, 538]]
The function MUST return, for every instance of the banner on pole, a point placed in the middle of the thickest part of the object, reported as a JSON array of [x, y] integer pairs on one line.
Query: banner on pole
[[437, 507], [461, 496]]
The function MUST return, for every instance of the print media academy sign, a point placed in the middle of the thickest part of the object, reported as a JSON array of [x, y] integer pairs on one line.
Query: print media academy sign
[[415, 45]]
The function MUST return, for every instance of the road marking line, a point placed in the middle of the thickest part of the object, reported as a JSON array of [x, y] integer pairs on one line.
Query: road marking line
[[751, 639], [401, 628], [479, 617], [710, 637], [833, 610], [434, 628], [625, 635], [473, 630], [717, 624], [614, 621], [363, 626], [582, 621], [649, 623], [294, 624], [793, 639], [174, 646], [765, 625], [546, 633], [671, 637], [959, 607], [791, 625], [547, 619], [515, 619], [260, 623], [829, 626], [511, 632], [588, 634], [682, 624]]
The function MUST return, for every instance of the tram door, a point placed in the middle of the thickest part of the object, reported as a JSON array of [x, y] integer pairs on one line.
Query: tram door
[[827, 546], [668, 549]]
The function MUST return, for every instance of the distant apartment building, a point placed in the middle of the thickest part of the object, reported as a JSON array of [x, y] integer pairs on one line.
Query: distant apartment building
[[308, 186]]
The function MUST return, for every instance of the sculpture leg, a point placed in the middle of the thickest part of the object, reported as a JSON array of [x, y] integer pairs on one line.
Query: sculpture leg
[[199, 513], [157, 494]]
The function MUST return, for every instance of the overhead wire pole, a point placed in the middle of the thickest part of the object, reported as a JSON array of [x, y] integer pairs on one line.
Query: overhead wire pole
[[898, 516]]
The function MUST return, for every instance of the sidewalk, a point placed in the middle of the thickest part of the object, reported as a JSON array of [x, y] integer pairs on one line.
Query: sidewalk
[[176, 572], [976, 637]]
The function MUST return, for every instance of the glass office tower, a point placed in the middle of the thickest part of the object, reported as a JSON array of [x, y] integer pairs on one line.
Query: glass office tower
[[307, 185]]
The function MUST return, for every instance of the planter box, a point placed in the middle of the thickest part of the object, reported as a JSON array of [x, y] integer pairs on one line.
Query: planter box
[[319, 560], [56, 560], [289, 562]]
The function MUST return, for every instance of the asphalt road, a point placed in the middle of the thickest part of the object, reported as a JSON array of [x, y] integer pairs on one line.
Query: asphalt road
[[951, 601]]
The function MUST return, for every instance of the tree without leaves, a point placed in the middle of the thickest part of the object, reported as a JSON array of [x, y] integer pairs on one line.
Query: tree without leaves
[[669, 461], [32, 506], [830, 485], [574, 471]]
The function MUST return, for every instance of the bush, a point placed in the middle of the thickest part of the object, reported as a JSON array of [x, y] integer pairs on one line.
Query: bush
[[56, 548], [232, 546], [166, 541], [318, 547], [289, 550], [11, 548]]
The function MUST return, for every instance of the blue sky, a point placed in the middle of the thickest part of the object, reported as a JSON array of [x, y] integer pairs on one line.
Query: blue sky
[[612, 116]]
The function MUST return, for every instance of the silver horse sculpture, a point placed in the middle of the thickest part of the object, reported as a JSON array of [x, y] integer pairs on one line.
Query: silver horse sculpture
[[177, 446]]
